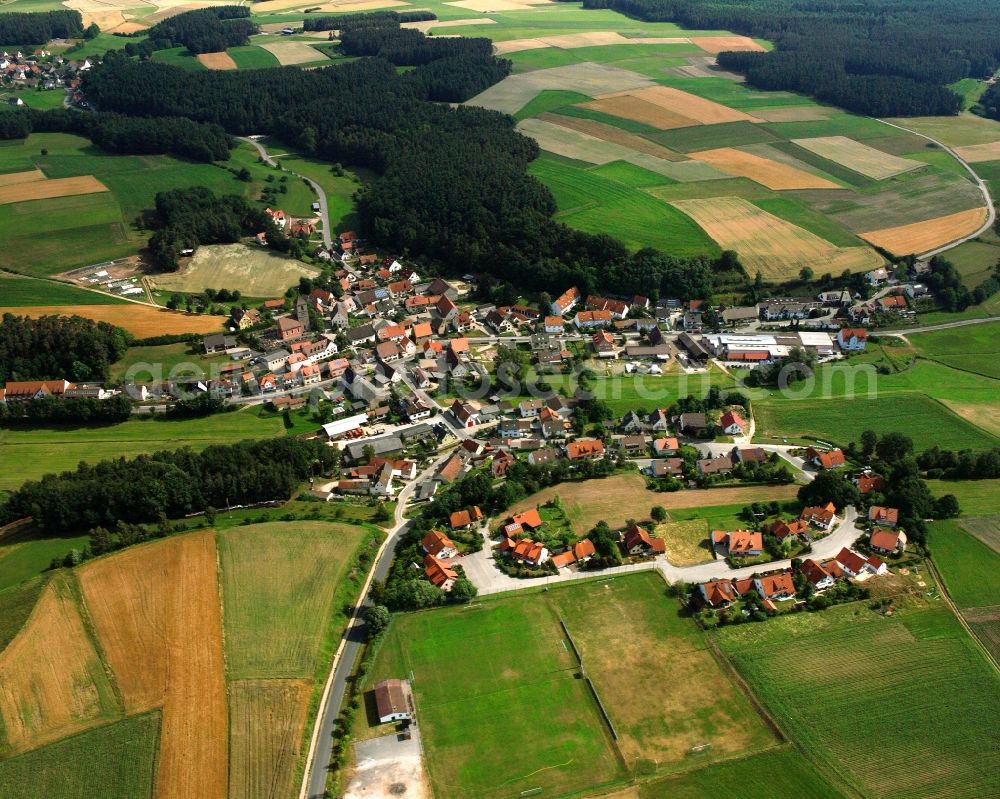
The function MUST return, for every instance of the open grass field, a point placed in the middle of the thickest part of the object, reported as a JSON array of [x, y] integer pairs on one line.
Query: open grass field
[[115, 761], [686, 541], [974, 349], [693, 702], [24, 555], [985, 528], [49, 189], [774, 773], [17, 290], [841, 421], [920, 237], [141, 320], [293, 52], [840, 680], [769, 245], [155, 609], [16, 605], [254, 271], [277, 609], [29, 454], [267, 719], [220, 60], [148, 364], [512, 690], [772, 174], [858, 157], [969, 566], [54, 683], [977, 497], [252, 57], [960, 131]]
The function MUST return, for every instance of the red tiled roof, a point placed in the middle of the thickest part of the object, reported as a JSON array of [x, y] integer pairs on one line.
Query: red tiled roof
[[882, 515], [436, 541], [529, 519]]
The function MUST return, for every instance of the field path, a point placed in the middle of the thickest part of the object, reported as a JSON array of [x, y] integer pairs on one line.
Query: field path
[[991, 213], [323, 212]]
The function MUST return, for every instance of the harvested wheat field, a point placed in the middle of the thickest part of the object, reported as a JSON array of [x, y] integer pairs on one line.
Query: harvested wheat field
[[922, 237], [975, 153], [858, 157], [267, 719], [47, 189], [610, 133], [572, 41], [221, 60], [289, 53], [630, 107], [702, 66], [683, 104], [768, 244], [768, 173], [17, 178], [252, 270], [717, 44], [53, 682], [358, 5], [172, 11], [141, 320], [491, 6], [425, 26], [156, 611], [794, 113]]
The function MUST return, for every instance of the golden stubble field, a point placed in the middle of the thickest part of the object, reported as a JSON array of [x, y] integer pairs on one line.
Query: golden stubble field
[[921, 237], [157, 615], [47, 189], [140, 320]]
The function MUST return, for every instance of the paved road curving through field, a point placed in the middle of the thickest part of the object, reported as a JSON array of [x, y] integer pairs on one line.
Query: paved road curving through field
[[324, 213]]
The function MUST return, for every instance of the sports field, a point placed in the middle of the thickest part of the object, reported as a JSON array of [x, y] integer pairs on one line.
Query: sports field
[[29, 454], [253, 271], [841, 680]]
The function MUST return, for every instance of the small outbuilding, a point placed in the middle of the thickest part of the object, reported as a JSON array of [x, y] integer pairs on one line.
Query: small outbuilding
[[393, 700]]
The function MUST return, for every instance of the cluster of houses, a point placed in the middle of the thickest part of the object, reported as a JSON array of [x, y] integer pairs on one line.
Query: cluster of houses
[[28, 390], [41, 69], [779, 586], [293, 227]]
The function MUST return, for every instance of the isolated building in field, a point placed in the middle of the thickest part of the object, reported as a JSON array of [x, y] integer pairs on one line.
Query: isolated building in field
[[393, 700]]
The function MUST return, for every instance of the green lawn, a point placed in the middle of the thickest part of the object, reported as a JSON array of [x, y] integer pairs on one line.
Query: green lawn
[[970, 569], [913, 682], [116, 761], [179, 57], [723, 517], [279, 581], [23, 291], [29, 454], [27, 554], [977, 497], [41, 100], [491, 680], [841, 421]]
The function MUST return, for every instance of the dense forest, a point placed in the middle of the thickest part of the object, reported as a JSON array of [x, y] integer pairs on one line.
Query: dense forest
[[206, 30], [39, 27], [882, 58], [461, 197], [117, 133], [186, 218], [333, 23], [76, 410], [168, 484], [989, 102], [58, 347]]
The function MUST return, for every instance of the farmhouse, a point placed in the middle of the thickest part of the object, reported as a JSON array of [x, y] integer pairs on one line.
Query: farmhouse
[[393, 700], [438, 545]]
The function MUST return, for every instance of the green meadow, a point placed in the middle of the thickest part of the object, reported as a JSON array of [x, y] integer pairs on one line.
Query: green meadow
[[17, 290]]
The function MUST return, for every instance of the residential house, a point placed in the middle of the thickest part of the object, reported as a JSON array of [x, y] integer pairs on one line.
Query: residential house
[[466, 413], [851, 563], [580, 552], [565, 301], [528, 520], [541, 456], [587, 320], [867, 483], [664, 447], [877, 276], [732, 424], [501, 462], [218, 343], [852, 339], [718, 593], [244, 318], [500, 321], [818, 577], [887, 517], [632, 423], [585, 449], [738, 543], [782, 529], [452, 469], [634, 446], [693, 424], [466, 518], [775, 586], [530, 552], [638, 541], [820, 517], [825, 459], [438, 545], [604, 344], [722, 464], [446, 309], [666, 467], [24, 390], [439, 573], [553, 324], [887, 542]]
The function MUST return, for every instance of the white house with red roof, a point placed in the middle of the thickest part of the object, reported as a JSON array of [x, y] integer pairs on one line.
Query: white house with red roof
[[732, 424], [852, 339]]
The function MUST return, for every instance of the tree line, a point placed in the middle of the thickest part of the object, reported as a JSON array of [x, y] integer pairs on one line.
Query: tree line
[[121, 134], [168, 485], [75, 410], [187, 218], [461, 198], [883, 58], [964, 465], [38, 27], [333, 23], [58, 347]]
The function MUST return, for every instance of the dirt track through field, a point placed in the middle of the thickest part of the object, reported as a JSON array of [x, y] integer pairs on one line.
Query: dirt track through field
[[47, 189], [220, 61], [53, 684], [156, 611], [768, 173], [921, 237], [770, 245], [141, 320], [858, 157]]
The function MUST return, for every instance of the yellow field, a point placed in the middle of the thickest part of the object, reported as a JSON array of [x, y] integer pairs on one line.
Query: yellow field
[[716, 44], [975, 153], [47, 189], [770, 245], [570, 41], [772, 174], [217, 60], [795, 113], [293, 52], [267, 720], [17, 178], [628, 107], [858, 157], [53, 683], [141, 320], [920, 237], [490, 6], [697, 109], [156, 612]]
